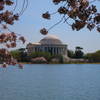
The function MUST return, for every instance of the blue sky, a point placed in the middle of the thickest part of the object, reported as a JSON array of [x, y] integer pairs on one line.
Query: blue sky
[[31, 22]]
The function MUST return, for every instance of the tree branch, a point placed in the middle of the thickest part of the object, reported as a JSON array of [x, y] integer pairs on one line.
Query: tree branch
[[56, 23]]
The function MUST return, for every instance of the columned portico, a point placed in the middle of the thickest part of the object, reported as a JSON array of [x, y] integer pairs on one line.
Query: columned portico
[[49, 44]]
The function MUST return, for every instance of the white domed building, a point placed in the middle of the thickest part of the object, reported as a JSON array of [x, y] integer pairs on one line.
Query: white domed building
[[51, 44]]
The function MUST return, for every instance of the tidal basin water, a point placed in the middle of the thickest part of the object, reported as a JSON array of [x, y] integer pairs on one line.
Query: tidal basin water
[[51, 82]]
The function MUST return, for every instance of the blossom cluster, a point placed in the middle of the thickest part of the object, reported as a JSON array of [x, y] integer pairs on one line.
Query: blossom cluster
[[82, 12]]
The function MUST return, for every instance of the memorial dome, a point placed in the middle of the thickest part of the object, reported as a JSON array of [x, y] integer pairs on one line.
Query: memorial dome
[[50, 39]]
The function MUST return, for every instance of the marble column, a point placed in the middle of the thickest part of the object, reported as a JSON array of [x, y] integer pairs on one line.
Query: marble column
[[60, 50], [56, 51], [52, 50]]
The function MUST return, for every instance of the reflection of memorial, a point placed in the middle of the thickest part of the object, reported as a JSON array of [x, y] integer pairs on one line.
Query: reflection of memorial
[[51, 44]]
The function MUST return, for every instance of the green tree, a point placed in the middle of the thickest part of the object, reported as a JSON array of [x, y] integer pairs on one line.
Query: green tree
[[78, 52], [70, 53], [93, 57], [20, 55], [16, 54]]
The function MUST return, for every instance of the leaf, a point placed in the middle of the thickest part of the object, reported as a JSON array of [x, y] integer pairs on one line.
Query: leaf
[[46, 15], [43, 31]]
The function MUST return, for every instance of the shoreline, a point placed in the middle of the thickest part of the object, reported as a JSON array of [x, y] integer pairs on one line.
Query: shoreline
[[61, 63]]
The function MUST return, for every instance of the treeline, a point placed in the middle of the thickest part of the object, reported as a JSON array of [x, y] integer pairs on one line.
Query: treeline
[[90, 57], [93, 57], [77, 54], [21, 55]]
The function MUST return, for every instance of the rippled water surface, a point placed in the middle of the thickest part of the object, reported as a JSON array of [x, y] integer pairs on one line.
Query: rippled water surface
[[51, 82]]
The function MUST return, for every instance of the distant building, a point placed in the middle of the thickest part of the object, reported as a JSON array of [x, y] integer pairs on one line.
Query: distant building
[[51, 44]]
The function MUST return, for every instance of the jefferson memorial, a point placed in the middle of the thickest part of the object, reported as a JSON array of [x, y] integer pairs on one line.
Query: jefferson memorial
[[51, 44]]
